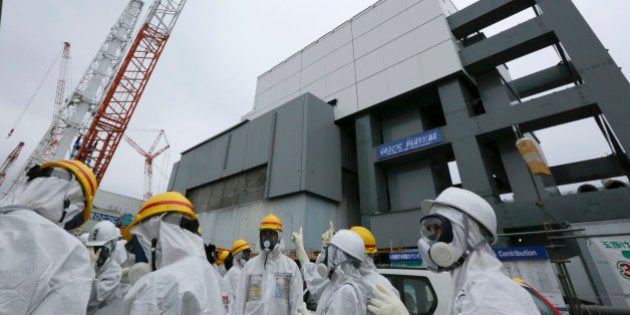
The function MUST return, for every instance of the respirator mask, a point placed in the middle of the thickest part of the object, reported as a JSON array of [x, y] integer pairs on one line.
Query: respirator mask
[[323, 268], [269, 239], [243, 257], [437, 247], [105, 251]]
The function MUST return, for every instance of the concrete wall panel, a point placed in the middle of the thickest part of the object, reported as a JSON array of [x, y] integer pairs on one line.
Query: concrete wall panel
[[338, 58], [323, 153], [340, 79], [317, 88], [235, 152], [346, 101], [370, 64], [373, 90], [287, 152], [364, 22], [312, 72], [258, 142], [409, 184]]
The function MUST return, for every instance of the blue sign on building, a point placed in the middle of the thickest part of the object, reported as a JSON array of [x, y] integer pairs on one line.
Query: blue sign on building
[[404, 257], [521, 253], [103, 217], [424, 139]]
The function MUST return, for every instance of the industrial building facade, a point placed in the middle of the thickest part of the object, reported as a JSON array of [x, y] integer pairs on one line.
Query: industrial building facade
[[360, 126]]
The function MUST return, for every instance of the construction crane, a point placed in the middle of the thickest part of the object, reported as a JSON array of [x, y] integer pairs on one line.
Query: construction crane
[[9, 161], [109, 125], [149, 156], [78, 110]]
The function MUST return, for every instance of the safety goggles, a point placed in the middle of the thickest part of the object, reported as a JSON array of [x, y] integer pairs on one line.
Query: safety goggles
[[436, 228]]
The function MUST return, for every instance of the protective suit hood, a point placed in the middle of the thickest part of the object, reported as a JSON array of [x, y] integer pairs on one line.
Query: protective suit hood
[[173, 242], [47, 196]]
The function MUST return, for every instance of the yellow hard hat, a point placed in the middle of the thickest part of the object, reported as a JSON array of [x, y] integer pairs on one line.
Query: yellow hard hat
[[223, 255], [85, 177], [239, 246], [171, 201], [367, 237], [271, 222]]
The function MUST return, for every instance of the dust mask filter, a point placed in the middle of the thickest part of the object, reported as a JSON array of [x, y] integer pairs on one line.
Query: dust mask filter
[[323, 268], [442, 254], [269, 239]]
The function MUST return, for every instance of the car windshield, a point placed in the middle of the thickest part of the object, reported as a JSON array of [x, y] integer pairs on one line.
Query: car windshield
[[543, 307]]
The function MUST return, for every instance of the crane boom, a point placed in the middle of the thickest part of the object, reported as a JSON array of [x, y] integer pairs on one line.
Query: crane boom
[[9, 161], [78, 109], [149, 156], [111, 120]]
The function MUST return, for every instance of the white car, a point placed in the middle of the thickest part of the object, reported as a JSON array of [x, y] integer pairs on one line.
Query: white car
[[422, 291]]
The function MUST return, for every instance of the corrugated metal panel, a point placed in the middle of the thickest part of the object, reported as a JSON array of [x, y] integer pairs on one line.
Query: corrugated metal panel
[[236, 151], [258, 142]]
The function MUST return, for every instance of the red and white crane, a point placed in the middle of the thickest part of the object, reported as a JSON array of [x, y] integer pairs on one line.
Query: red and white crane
[[77, 111], [110, 122], [9, 161], [149, 156]]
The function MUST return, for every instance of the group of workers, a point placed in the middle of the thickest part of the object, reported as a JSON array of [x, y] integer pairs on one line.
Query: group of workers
[[164, 268]]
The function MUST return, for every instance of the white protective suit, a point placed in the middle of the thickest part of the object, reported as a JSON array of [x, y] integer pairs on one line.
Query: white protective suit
[[105, 286], [368, 280], [184, 282], [121, 256], [270, 284], [43, 268], [343, 294], [480, 285], [233, 277]]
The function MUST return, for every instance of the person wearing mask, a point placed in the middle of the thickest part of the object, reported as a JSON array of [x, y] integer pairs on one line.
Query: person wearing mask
[[369, 275], [221, 262], [457, 230], [101, 244], [270, 282], [315, 283], [240, 253], [343, 257], [182, 281], [44, 269]]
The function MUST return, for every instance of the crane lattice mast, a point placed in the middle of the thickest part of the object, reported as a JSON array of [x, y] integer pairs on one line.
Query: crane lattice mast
[[78, 110], [9, 161], [149, 156], [111, 120]]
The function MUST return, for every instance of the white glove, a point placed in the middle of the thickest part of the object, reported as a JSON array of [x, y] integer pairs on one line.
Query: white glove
[[137, 271], [386, 302], [302, 310], [328, 235], [298, 241], [125, 275], [93, 257]]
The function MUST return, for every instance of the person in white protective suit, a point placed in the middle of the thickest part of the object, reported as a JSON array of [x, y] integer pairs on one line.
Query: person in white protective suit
[[369, 276], [270, 282], [101, 244], [241, 252], [343, 257], [220, 262], [43, 268], [182, 281], [457, 229]]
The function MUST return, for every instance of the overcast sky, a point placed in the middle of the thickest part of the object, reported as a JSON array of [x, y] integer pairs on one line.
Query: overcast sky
[[206, 78]]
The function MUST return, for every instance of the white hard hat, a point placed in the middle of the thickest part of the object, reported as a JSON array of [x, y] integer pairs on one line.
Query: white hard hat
[[466, 202], [350, 243], [102, 233]]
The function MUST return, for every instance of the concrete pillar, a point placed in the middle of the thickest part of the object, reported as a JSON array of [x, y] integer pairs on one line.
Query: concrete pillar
[[372, 179], [473, 170]]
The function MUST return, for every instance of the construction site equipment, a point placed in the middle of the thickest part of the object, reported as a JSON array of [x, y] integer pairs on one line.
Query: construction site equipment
[[79, 109], [9, 161], [111, 120], [148, 160]]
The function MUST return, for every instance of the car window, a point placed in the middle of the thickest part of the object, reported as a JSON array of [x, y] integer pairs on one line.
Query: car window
[[416, 293], [542, 306]]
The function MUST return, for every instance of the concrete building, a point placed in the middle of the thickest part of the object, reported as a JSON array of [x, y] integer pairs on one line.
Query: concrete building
[[360, 126], [111, 207]]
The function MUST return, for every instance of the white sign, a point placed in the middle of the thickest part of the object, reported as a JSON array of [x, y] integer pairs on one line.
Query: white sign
[[541, 276], [616, 250]]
